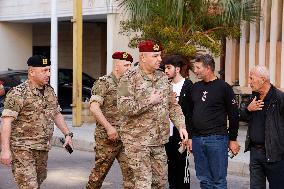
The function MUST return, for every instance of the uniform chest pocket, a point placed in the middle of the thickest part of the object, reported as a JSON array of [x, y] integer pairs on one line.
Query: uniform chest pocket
[[32, 105], [111, 98]]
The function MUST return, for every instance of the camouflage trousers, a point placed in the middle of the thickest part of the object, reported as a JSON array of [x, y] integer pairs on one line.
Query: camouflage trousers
[[150, 165], [29, 167], [106, 152]]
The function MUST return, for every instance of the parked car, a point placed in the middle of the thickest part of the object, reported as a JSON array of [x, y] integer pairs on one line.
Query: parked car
[[12, 78]]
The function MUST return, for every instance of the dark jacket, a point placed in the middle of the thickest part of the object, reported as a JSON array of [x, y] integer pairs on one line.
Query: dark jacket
[[184, 103], [274, 127]]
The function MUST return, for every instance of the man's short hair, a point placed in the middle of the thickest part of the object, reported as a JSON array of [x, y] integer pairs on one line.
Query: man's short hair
[[207, 60], [175, 60]]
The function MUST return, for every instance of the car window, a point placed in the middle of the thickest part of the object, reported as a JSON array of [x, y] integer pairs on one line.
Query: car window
[[64, 77], [20, 77]]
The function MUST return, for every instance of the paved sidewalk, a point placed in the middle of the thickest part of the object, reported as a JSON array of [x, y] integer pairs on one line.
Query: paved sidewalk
[[84, 140]]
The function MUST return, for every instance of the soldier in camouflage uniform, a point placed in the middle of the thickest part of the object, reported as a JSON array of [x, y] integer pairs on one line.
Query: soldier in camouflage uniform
[[2, 92], [104, 108], [30, 111], [146, 101]]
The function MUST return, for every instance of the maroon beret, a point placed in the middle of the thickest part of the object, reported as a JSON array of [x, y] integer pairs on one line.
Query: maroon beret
[[122, 56], [149, 46]]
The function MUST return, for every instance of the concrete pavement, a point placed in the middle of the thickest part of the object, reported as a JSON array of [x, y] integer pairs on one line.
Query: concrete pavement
[[72, 172], [84, 140]]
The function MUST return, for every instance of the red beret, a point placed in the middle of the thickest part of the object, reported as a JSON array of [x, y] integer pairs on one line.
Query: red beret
[[149, 46], [122, 56]]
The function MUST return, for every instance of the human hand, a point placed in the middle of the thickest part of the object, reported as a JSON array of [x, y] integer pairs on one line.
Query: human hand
[[68, 140], [255, 105], [234, 147], [183, 135], [112, 133], [155, 97], [5, 157], [189, 145]]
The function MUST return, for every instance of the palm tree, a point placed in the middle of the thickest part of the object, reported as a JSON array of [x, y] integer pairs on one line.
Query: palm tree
[[187, 26]]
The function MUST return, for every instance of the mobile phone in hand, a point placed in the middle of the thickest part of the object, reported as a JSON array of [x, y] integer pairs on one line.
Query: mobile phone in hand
[[67, 147]]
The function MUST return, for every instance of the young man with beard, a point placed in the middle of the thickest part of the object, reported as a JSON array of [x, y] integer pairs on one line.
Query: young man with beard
[[181, 86]]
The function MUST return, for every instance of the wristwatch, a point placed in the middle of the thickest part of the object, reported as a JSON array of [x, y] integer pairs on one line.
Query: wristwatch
[[69, 134]]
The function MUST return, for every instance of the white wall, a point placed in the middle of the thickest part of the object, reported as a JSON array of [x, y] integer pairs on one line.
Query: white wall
[[34, 9], [16, 45], [116, 41], [93, 62]]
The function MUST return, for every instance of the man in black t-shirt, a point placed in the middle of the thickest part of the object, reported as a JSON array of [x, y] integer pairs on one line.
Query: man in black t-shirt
[[213, 101]]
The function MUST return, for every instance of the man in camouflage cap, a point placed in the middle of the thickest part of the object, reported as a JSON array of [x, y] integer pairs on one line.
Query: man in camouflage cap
[[30, 111], [146, 101], [104, 108]]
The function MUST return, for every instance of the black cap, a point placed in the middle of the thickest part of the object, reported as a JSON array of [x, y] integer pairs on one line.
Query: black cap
[[38, 61]]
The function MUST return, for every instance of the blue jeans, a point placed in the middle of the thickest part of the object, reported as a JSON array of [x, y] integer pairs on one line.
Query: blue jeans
[[211, 160]]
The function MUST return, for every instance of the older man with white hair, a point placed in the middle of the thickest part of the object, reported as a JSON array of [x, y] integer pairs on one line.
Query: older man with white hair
[[265, 138]]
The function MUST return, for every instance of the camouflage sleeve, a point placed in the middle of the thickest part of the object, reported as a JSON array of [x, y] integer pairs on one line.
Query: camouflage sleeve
[[127, 104], [57, 108], [98, 92], [13, 104], [176, 115]]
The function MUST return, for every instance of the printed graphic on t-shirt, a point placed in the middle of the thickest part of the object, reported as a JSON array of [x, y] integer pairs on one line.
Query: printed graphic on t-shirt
[[234, 101], [203, 98]]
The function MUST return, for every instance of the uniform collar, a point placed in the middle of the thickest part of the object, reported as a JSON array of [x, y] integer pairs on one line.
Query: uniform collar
[[156, 75], [34, 89], [114, 78]]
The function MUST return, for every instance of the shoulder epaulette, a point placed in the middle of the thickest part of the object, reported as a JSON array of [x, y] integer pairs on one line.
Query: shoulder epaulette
[[19, 88], [104, 78]]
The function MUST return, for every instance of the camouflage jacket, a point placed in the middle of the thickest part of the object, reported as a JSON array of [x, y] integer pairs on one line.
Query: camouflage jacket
[[33, 115], [144, 123], [104, 92]]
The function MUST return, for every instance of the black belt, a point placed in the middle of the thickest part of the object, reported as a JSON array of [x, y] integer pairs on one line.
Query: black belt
[[258, 146]]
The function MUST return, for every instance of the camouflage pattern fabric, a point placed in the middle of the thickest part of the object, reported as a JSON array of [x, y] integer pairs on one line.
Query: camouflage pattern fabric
[[29, 167], [145, 127], [104, 92], [106, 152], [144, 123], [31, 131], [33, 114], [150, 165]]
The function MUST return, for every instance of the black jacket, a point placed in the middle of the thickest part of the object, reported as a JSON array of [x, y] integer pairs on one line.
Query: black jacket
[[274, 127], [184, 103]]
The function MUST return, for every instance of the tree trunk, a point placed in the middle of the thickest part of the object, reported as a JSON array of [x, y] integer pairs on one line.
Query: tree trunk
[[222, 58]]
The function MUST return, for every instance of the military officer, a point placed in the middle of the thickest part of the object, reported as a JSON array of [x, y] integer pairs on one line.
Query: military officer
[[30, 111], [2, 93], [104, 108], [146, 101]]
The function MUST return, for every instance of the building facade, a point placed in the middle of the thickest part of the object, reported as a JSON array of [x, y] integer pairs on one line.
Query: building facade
[[260, 44], [25, 29]]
